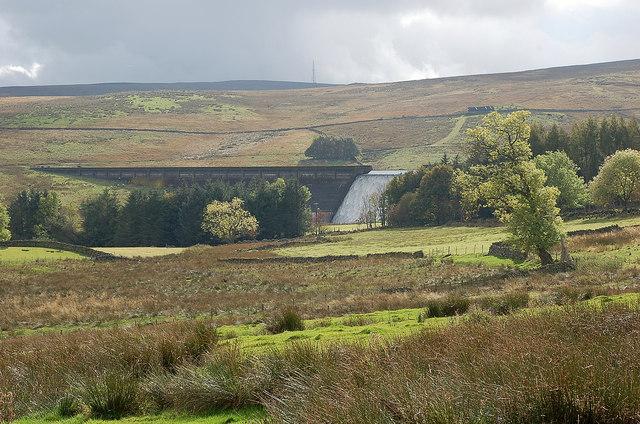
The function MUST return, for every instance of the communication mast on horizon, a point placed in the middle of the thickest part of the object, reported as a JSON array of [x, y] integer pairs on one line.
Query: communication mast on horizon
[[313, 72]]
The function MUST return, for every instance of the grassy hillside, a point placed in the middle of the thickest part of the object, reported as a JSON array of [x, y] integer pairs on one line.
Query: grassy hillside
[[398, 125]]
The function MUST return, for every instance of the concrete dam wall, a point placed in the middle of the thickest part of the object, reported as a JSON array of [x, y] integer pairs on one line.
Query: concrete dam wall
[[328, 184]]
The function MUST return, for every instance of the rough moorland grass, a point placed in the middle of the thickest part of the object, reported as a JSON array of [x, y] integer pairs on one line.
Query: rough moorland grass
[[113, 373], [99, 368], [528, 368], [22, 255], [194, 283]]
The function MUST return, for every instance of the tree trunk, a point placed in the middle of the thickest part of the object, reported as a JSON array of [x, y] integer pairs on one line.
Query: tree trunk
[[545, 257]]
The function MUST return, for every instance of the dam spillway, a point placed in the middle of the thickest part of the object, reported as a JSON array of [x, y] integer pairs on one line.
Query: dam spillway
[[363, 187], [328, 184]]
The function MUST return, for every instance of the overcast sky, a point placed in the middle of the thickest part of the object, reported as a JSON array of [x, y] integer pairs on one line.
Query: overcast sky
[[87, 41]]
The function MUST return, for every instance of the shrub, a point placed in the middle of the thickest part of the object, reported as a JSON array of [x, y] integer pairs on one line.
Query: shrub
[[228, 380], [109, 396], [285, 319], [506, 303], [450, 305]]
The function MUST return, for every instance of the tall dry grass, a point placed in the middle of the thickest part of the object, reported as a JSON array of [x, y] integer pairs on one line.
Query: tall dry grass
[[39, 371], [600, 242], [575, 364], [570, 366]]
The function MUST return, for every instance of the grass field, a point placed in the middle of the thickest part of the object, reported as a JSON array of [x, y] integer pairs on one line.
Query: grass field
[[23, 255], [453, 239], [140, 318], [141, 252]]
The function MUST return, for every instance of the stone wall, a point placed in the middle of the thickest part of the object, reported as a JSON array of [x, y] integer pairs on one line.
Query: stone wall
[[47, 244]]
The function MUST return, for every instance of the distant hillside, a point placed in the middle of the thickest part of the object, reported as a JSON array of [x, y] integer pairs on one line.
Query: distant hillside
[[264, 123], [121, 87]]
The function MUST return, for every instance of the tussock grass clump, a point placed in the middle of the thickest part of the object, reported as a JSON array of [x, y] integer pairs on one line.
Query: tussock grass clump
[[357, 320], [505, 303], [285, 319], [227, 380], [109, 396], [68, 406], [450, 305]]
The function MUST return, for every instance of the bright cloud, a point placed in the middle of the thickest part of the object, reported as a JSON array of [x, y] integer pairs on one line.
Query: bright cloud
[[15, 70]]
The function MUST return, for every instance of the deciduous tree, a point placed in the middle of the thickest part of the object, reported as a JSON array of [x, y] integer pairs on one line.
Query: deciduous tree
[[618, 180], [513, 185], [228, 220], [5, 234], [562, 172]]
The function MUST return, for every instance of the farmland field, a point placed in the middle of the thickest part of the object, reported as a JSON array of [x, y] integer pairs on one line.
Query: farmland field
[[141, 252], [451, 239], [23, 255]]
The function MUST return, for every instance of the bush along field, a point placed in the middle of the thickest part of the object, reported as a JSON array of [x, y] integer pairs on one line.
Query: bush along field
[[192, 336]]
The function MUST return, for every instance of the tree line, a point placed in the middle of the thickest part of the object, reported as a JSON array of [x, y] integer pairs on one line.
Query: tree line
[[589, 142], [597, 163], [159, 217]]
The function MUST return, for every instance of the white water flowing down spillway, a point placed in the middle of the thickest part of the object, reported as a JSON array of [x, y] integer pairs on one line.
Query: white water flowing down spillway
[[361, 190]]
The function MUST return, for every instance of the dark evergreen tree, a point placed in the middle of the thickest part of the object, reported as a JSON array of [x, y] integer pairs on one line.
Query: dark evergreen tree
[[33, 214], [435, 202], [100, 219], [130, 221]]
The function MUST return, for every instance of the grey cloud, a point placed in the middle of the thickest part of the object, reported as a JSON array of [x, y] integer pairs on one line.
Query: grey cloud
[[351, 41]]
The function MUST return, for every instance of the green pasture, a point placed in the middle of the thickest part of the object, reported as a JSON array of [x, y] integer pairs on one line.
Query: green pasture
[[141, 252], [245, 415], [22, 255], [443, 240]]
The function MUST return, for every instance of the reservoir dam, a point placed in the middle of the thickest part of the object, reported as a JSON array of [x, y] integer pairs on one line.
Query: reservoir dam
[[329, 185]]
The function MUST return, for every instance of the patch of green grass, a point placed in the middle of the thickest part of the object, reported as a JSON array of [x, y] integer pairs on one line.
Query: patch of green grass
[[141, 252], [431, 240], [379, 324], [23, 255], [244, 415], [494, 261], [594, 223], [61, 117], [154, 104]]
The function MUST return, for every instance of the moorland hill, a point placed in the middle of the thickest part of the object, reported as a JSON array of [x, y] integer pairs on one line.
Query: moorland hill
[[397, 125]]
